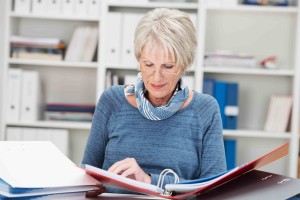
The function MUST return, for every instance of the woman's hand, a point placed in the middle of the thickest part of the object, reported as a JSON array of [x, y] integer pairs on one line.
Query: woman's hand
[[130, 168]]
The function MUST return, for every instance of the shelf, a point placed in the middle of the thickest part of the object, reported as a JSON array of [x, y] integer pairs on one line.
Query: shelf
[[55, 17], [246, 8], [189, 6], [50, 124], [122, 67], [53, 63], [250, 71], [256, 134]]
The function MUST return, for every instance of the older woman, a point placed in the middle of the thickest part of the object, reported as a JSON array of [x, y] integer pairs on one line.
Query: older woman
[[158, 123]]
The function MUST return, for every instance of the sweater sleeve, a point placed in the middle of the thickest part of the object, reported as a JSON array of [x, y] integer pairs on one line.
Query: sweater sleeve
[[97, 140]]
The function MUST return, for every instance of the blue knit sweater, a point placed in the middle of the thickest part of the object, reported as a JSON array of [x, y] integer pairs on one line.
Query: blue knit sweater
[[190, 142]]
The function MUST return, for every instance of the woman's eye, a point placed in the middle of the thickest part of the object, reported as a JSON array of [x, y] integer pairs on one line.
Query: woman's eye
[[168, 66], [149, 65]]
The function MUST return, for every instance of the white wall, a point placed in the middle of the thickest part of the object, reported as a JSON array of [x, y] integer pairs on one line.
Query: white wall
[[2, 31]]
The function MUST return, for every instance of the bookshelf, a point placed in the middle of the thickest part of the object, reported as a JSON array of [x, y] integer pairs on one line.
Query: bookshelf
[[261, 31], [61, 81]]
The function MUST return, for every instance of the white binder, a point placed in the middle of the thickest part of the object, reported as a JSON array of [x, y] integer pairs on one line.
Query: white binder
[[53, 7], [39, 7], [129, 23], [81, 8], [22, 6], [29, 134], [94, 7], [14, 93], [68, 7], [113, 38], [14, 134], [30, 96]]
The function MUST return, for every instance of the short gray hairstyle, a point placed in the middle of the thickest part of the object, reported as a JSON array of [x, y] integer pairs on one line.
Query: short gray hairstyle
[[169, 29]]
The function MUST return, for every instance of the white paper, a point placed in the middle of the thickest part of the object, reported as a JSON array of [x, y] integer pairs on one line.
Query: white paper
[[39, 164]]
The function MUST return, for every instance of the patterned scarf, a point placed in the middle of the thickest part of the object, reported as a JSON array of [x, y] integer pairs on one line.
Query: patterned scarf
[[157, 112]]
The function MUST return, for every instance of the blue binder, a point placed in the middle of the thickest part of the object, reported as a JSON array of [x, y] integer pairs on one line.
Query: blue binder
[[220, 92], [232, 101], [230, 152], [208, 86]]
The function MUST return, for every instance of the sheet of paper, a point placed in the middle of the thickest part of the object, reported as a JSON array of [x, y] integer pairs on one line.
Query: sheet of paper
[[39, 165]]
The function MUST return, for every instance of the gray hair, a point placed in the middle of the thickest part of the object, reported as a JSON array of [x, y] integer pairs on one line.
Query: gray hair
[[168, 29]]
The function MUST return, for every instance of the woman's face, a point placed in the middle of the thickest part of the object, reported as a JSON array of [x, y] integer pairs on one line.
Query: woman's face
[[160, 75]]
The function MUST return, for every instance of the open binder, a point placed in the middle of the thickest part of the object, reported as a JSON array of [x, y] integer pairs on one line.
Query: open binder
[[187, 189]]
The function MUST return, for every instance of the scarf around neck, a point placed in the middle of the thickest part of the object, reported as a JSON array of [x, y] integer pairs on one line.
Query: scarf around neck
[[157, 113]]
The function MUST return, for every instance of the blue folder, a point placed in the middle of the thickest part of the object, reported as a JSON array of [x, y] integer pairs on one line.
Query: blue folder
[[220, 89], [231, 100], [230, 152]]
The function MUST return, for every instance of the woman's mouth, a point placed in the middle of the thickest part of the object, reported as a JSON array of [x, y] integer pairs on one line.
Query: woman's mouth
[[157, 87]]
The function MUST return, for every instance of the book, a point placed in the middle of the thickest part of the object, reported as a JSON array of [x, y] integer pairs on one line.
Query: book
[[31, 169], [91, 45], [53, 43], [68, 116], [229, 59], [185, 189], [279, 113], [61, 107]]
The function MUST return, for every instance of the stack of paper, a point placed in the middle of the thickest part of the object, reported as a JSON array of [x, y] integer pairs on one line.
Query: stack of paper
[[30, 169], [228, 59], [37, 48]]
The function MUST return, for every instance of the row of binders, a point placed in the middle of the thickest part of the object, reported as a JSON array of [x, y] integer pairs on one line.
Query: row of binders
[[80, 8], [59, 137], [24, 102], [226, 94], [120, 35]]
